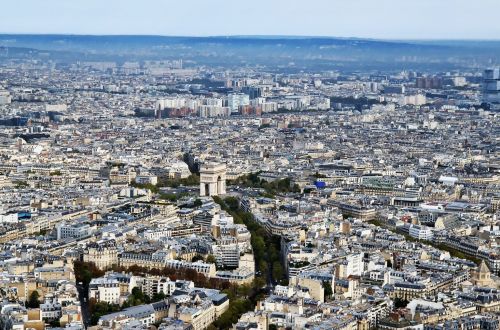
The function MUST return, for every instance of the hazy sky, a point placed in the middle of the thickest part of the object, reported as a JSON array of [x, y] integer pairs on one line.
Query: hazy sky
[[393, 19]]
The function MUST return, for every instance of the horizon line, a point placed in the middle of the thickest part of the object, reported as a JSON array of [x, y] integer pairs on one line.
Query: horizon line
[[270, 36]]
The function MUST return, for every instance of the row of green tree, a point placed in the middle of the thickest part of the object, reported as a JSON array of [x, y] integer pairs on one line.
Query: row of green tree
[[192, 180], [86, 271], [252, 180], [137, 297], [165, 181], [172, 197], [266, 248], [98, 309]]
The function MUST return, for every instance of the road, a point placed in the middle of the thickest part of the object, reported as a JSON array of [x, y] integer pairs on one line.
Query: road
[[84, 303]]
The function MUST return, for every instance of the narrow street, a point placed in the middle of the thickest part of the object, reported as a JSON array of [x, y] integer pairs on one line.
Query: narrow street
[[84, 303]]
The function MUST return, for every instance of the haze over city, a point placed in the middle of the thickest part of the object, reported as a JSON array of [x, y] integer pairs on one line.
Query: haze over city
[[258, 165]]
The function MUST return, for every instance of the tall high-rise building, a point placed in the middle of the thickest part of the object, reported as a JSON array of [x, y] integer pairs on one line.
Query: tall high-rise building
[[491, 87], [234, 101], [429, 82], [253, 91]]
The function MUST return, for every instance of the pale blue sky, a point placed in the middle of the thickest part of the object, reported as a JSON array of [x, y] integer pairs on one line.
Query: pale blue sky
[[385, 19]]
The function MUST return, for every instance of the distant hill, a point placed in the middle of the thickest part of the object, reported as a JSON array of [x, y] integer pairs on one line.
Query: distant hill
[[273, 51]]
